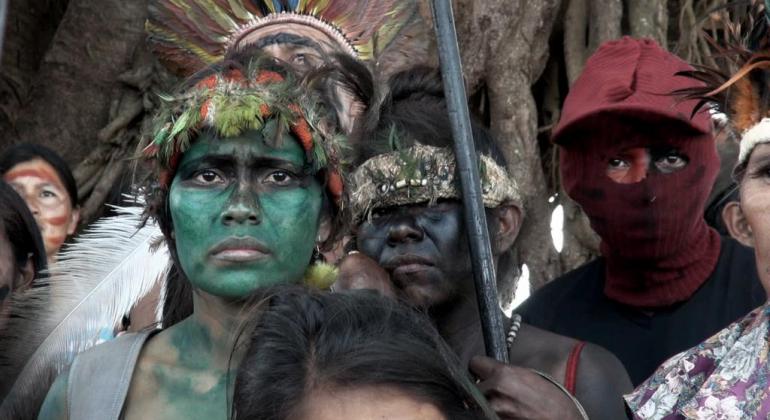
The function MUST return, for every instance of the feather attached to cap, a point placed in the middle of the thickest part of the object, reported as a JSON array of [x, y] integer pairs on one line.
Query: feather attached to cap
[[96, 281], [740, 86]]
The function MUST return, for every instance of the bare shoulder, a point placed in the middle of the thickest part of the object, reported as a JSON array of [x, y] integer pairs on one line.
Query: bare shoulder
[[600, 369], [601, 383], [549, 352], [600, 380], [600, 361], [143, 399], [156, 353], [542, 350]]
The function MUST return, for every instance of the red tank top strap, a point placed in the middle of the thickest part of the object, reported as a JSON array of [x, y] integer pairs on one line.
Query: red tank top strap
[[570, 377]]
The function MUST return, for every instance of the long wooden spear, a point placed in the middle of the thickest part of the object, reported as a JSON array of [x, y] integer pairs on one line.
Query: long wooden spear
[[467, 165]]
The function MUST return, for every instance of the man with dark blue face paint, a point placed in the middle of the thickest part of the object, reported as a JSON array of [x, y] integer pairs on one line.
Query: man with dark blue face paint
[[412, 245]]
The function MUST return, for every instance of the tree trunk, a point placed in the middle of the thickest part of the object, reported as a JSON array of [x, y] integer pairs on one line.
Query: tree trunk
[[605, 22], [505, 45], [649, 19], [78, 79], [575, 37], [30, 25]]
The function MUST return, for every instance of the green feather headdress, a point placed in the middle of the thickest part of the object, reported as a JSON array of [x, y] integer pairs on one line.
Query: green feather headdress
[[233, 101], [422, 174]]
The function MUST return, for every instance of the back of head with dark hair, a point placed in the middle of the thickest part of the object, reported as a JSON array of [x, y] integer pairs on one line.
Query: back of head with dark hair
[[414, 105], [19, 226], [308, 341], [25, 152]]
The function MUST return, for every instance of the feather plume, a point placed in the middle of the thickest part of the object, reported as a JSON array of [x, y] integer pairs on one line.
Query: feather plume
[[186, 35], [738, 87], [96, 281]]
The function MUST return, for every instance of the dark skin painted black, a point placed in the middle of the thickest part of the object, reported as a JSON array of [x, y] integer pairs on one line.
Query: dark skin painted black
[[420, 253]]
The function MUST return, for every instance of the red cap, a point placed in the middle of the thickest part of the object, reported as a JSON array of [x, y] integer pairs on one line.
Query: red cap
[[633, 77]]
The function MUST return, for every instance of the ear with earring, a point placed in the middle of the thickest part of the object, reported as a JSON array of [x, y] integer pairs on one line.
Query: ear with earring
[[317, 256]]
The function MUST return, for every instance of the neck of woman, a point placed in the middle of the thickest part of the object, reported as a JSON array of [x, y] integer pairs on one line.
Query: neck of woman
[[207, 339], [459, 324]]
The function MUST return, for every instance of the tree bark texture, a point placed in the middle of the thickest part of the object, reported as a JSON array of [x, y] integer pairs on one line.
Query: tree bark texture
[[30, 26], [575, 37], [71, 93], [649, 19], [605, 22], [505, 47]]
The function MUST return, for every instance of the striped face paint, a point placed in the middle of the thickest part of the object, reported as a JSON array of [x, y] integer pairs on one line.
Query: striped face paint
[[44, 192]]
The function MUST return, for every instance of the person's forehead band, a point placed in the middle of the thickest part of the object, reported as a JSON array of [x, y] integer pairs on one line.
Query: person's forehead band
[[234, 102], [422, 174]]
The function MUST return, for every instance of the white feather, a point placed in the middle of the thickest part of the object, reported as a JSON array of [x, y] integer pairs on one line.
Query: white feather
[[95, 282]]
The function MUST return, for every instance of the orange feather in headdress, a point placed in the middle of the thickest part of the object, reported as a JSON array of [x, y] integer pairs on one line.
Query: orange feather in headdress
[[744, 105], [740, 87]]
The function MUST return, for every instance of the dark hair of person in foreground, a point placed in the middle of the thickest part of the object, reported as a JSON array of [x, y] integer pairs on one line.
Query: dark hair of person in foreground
[[20, 229], [22, 254], [311, 347]]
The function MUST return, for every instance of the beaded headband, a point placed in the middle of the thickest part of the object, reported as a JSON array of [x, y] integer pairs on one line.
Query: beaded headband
[[422, 174]]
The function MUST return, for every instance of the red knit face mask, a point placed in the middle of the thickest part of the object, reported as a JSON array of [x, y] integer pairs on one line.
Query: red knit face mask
[[651, 222]]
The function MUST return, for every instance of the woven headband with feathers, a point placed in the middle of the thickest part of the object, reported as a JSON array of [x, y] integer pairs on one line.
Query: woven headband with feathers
[[232, 101], [740, 86], [188, 35]]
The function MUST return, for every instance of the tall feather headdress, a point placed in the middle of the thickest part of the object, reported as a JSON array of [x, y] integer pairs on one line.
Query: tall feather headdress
[[93, 285], [740, 86], [187, 35]]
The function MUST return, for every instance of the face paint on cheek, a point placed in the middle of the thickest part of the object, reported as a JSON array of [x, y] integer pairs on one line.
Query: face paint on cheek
[[54, 225], [288, 225], [52, 211], [282, 219], [54, 242], [291, 220]]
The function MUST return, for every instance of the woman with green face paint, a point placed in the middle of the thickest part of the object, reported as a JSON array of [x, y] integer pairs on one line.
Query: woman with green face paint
[[247, 186]]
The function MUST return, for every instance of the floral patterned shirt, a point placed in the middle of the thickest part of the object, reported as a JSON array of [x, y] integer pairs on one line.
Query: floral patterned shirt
[[726, 377]]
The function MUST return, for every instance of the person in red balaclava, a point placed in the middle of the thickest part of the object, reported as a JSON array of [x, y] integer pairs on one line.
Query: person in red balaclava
[[641, 166]]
